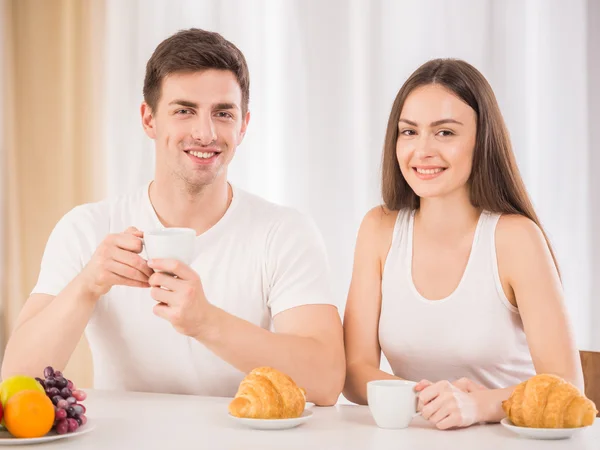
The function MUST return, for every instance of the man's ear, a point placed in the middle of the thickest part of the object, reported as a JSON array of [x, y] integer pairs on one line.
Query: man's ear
[[245, 122], [148, 120]]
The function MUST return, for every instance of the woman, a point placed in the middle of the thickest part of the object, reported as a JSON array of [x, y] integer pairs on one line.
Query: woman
[[454, 278]]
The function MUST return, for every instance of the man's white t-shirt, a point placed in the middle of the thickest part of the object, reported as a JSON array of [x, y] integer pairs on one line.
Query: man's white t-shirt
[[260, 259]]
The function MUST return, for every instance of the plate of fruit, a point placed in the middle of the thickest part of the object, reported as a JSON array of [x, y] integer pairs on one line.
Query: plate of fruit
[[35, 410]]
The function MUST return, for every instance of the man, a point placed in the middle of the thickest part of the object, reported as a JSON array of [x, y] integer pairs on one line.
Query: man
[[257, 266]]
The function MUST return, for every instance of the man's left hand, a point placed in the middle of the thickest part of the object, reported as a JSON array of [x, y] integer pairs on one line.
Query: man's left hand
[[178, 289]]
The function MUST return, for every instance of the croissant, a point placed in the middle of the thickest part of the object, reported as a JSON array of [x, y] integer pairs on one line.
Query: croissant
[[548, 401], [266, 393]]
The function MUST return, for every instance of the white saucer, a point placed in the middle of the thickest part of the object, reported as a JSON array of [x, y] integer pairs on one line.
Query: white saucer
[[541, 433], [7, 439], [273, 424]]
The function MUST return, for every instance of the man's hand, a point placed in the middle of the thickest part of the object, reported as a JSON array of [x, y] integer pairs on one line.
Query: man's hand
[[116, 261], [178, 289]]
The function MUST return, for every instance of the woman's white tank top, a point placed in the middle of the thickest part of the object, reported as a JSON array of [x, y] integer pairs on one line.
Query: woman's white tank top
[[475, 332]]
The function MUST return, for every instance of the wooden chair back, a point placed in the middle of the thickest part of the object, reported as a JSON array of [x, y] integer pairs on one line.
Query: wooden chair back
[[590, 362]]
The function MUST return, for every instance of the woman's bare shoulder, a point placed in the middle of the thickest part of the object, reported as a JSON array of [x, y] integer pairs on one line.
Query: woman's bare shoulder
[[378, 221]]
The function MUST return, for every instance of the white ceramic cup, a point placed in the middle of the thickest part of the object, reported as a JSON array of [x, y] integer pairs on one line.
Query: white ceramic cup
[[393, 403], [170, 243]]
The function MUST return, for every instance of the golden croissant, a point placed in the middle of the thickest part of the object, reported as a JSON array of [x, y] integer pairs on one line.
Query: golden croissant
[[548, 401], [266, 393]]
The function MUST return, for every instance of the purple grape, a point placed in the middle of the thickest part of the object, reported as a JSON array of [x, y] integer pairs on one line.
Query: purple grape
[[82, 407], [73, 425], [48, 372], [71, 412], [71, 400], [65, 392], [62, 427], [58, 374], [50, 382], [39, 380], [79, 395], [78, 420], [78, 409], [70, 385], [83, 419], [60, 414], [56, 399], [63, 404], [61, 383], [51, 392]]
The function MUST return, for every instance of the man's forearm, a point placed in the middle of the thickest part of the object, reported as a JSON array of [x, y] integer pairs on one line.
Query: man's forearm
[[51, 335], [315, 366]]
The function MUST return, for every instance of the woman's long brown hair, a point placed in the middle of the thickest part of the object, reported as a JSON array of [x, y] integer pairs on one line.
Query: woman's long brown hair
[[495, 182]]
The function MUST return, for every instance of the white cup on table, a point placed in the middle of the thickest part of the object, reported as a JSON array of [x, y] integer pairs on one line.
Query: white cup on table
[[393, 403]]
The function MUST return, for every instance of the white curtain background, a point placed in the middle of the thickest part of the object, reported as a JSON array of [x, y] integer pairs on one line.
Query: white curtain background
[[3, 157], [594, 133], [323, 77]]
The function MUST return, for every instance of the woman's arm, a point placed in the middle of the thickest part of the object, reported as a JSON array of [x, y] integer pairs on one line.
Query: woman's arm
[[361, 318], [531, 281]]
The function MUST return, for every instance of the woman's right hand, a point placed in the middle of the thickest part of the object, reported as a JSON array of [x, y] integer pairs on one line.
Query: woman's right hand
[[116, 261]]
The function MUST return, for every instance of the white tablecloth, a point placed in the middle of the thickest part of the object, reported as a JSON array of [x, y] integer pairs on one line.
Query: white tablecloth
[[134, 421]]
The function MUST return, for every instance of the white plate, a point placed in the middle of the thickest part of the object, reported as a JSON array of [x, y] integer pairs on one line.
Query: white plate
[[274, 424], [541, 433], [7, 439]]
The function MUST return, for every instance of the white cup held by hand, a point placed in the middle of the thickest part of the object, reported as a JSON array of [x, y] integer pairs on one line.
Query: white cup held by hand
[[170, 243], [393, 403]]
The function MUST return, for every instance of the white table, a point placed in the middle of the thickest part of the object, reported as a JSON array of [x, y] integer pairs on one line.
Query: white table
[[132, 421]]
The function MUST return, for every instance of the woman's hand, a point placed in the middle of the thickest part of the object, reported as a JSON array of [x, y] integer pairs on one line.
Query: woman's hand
[[450, 405]]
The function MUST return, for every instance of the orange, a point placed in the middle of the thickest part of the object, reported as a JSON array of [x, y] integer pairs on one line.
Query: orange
[[17, 383], [29, 414]]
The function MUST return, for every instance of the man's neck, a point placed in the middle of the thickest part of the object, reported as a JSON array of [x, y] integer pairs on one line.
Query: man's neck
[[177, 206]]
